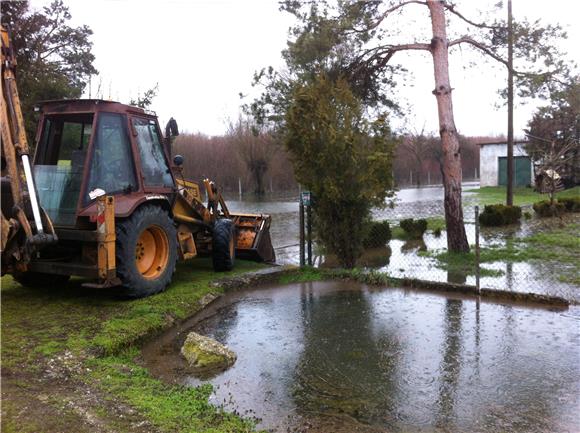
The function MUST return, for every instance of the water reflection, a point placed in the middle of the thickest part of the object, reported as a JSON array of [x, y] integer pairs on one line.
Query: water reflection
[[343, 357], [450, 364]]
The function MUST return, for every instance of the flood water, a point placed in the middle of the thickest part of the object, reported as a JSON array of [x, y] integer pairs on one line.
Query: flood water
[[403, 259], [344, 357]]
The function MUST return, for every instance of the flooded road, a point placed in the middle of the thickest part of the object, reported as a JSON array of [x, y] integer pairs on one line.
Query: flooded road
[[343, 357]]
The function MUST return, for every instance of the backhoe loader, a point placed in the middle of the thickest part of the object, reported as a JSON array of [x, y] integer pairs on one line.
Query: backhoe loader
[[103, 200]]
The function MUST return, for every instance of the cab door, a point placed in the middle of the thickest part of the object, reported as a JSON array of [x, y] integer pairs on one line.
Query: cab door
[[155, 170]]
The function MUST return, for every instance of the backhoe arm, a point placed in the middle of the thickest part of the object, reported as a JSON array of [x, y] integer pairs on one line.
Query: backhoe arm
[[19, 239]]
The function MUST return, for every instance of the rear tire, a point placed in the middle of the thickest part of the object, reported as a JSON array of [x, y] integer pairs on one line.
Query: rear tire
[[39, 280], [223, 245], [146, 251]]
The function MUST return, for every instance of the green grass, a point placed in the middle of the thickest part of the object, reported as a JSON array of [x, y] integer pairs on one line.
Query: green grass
[[172, 408], [103, 332], [302, 275], [522, 195]]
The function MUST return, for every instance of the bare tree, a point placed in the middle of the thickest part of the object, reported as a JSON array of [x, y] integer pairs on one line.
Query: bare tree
[[553, 160], [255, 148]]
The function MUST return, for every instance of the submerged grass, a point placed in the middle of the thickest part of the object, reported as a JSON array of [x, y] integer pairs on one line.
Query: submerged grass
[[102, 331], [434, 224], [559, 245]]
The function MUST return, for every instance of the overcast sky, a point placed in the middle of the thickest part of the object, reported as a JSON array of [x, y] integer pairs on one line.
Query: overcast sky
[[203, 53]]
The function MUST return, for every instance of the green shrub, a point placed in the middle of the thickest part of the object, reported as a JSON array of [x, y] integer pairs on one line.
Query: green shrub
[[572, 204], [495, 215], [414, 228], [437, 232], [527, 215], [545, 209], [378, 233]]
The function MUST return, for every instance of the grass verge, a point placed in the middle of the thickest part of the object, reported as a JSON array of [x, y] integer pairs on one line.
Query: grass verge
[[522, 196], [99, 333]]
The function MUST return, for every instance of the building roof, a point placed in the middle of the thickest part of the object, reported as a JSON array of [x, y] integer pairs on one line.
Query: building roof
[[502, 142]]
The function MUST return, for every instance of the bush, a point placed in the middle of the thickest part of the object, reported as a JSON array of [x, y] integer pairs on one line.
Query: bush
[[414, 228], [572, 204], [495, 215], [545, 209], [378, 233]]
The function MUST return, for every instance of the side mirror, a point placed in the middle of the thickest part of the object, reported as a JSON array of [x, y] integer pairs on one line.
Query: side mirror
[[171, 129], [178, 160]]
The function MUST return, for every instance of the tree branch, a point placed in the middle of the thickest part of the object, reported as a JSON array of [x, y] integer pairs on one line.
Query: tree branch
[[387, 12], [479, 45], [451, 8]]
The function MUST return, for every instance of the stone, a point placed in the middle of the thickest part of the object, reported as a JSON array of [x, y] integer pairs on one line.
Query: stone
[[204, 354]]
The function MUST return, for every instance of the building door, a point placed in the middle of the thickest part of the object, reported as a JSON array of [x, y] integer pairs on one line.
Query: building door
[[523, 171]]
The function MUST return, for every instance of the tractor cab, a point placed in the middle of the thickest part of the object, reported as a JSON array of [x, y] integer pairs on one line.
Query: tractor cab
[[87, 148]]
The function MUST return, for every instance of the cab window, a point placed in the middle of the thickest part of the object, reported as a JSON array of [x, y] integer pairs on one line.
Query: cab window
[[154, 167]]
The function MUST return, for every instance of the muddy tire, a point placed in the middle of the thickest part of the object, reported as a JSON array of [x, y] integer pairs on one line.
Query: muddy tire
[[146, 251], [39, 280], [223, 245]]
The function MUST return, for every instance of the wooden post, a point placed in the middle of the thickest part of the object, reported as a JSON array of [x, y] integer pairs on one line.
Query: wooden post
[[477, 250], [240, 187], [301, 212]]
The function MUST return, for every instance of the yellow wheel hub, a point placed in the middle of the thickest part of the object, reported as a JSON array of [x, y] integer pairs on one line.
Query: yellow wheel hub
[[152, 252]]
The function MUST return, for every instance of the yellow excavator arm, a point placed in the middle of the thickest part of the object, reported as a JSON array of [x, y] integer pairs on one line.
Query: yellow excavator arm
[[19, 237]]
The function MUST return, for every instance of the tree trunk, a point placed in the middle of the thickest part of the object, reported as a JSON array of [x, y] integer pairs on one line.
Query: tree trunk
[[456, 237]]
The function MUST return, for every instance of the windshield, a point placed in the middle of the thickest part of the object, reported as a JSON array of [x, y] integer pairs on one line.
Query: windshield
[[112, 168]]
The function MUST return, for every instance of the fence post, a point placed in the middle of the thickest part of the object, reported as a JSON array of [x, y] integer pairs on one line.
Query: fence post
[[240, 187], [477, 250], [309, 234], [301, 212]]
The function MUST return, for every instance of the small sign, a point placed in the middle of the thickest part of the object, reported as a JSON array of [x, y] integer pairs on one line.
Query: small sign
[[305, 198]]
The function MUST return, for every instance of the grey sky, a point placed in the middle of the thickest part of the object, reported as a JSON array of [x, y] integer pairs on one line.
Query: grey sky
[[204, 52]]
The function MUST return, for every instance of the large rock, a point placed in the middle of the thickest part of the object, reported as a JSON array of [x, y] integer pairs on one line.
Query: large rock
[[206, 355]]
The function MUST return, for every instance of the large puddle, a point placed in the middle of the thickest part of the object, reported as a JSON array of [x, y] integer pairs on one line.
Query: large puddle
[[343, 357]]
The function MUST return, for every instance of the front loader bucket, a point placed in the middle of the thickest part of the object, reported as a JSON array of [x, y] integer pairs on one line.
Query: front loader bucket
[[253, 237]]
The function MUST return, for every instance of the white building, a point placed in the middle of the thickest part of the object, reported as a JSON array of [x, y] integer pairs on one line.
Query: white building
[[493, 164]]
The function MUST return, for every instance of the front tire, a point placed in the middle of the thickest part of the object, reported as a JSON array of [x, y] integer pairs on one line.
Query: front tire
[[223, 245], [146, 251]]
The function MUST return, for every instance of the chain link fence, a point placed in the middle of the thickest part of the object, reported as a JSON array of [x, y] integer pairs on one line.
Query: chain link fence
[[536, 255]]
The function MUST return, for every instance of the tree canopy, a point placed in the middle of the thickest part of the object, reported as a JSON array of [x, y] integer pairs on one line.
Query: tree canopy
[[54, 59], [358, 40]]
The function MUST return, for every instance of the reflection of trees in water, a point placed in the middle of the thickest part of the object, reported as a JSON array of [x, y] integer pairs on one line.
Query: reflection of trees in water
[[370, 258], [450, 363], [344, 369]]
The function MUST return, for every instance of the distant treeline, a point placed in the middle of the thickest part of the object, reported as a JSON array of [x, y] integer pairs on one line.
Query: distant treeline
[[261, 165]]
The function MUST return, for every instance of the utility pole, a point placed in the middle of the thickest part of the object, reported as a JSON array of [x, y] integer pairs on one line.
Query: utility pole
[[510, 134]]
